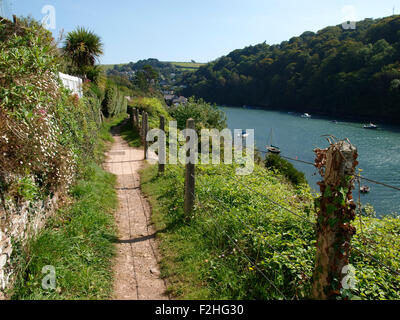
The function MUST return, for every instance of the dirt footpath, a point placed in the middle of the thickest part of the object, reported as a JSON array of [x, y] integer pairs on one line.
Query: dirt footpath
[[136, 270]]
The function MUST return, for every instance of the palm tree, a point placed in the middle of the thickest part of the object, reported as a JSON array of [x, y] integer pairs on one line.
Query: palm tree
[[83, 47]]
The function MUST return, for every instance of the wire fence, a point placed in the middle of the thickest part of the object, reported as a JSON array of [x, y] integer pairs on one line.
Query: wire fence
[[244, 256], [313, 164], [263, 236], [369, 256], [358, 177], [302, 218]]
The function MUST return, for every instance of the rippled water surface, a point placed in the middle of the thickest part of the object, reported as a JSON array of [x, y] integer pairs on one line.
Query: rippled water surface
[[379, 150]]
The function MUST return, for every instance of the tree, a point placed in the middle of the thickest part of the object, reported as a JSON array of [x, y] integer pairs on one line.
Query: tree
[[144, 77], [150, 73], [83, 47]]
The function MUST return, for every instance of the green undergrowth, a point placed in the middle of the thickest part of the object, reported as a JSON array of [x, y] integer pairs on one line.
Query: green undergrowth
[[202, 257], [105, 131], [130, 135], [78, 242], [238, 228]]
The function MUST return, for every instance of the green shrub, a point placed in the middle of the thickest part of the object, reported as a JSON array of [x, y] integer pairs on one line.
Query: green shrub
[[275, 162], [205, 115], [45, 132], [114, 101], [154, 107]]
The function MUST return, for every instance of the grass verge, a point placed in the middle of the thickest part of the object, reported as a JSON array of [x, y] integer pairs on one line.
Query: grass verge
[[78, 242], [207, 255], [131, 136], [199, 258]]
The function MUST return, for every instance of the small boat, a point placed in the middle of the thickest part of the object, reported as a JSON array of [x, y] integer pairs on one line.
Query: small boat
[[365, 189], [334, 121], [306, 115], [244, 134], [370, 126], [271, 148]]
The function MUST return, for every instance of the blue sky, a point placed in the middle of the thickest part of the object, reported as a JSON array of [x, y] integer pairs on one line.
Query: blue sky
[[202, 30]]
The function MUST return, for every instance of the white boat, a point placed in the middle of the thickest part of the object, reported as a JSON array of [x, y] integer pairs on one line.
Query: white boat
[[244, 134], [365, 189], [370, 126], [306, 115], [271, 148]]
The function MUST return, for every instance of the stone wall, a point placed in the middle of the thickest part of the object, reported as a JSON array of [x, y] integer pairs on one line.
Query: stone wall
[[19, 223]]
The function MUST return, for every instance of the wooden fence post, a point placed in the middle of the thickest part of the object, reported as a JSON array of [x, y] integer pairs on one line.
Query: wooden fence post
[[335, 212], [162, 152], [189, 177], [136, 118], [142, 127], [130, 111], [133, 118], [145, 130]]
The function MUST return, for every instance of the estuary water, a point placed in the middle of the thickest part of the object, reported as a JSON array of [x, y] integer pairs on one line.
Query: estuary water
[[378, 150]]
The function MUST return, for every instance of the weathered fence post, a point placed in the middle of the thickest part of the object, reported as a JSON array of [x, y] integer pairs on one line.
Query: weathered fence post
[[189, 176], [142, 127], [133, 118], [335, 212], [130, 111], [136, 118], [162, 152], [145, 130]]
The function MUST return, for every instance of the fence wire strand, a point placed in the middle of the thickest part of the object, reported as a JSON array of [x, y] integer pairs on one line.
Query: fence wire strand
[[313, 224], [360, 176], [257, 233], [246, 257], [274, 202]]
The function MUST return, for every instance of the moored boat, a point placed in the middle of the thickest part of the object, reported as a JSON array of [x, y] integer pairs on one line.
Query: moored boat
[[244, 134], [306, 115], [365, 189], [271, 148], [370, 126]]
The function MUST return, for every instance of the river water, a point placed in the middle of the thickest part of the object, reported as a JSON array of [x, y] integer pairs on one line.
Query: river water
[[379, 150]]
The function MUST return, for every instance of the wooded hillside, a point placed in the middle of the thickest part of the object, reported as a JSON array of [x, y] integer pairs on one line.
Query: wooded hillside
[[334, 71]]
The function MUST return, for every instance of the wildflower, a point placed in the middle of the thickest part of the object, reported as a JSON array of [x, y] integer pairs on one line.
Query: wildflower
[[5, 138]]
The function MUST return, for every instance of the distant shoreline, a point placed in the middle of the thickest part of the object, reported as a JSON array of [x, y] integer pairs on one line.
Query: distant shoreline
[[348, 118]]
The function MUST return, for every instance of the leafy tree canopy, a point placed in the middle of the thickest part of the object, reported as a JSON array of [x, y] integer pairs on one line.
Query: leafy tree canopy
[[334, 71]]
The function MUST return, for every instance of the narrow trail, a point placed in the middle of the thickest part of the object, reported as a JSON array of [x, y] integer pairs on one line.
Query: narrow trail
[[136, 270]]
